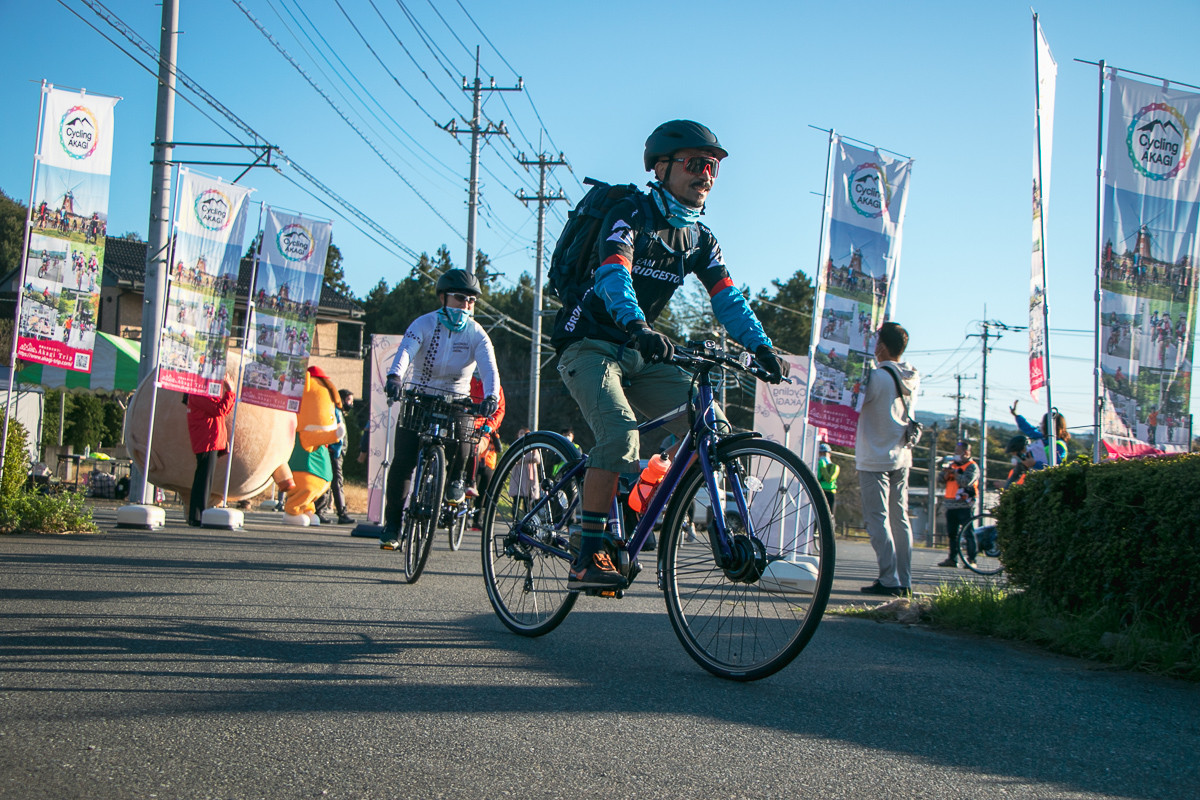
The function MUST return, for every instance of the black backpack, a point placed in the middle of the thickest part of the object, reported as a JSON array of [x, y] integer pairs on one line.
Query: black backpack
[[575, 259]]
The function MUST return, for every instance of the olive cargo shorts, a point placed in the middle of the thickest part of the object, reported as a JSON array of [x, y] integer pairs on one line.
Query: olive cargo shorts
[[609, 391]]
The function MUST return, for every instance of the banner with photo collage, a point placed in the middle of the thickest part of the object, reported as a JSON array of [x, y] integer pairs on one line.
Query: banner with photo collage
[[1148, 262], [856, 284], [1046, 71], [288, 276], [210, 224], [64, 260]]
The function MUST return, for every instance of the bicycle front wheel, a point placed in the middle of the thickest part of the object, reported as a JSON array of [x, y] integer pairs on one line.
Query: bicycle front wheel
[[978, 536], [424, 507], [458, 528], [526, 555], [749, 618]]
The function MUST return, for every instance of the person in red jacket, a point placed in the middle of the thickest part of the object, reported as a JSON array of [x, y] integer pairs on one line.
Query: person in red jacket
[[487, 426], [210, 439]]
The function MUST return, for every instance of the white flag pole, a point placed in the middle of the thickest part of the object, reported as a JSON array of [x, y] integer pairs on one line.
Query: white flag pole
[[249, 345], [16, 330], [1097, 446], [1051, 440], [166, 301], [818, 299]]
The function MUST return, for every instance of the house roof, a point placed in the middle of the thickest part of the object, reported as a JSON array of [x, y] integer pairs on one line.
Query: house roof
[[125, 266]]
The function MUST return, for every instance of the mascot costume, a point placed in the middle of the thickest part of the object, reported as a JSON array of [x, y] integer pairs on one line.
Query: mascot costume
[[316, 426]]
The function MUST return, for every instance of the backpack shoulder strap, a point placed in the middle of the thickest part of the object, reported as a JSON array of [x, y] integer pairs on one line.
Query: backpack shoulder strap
[[899, 390]]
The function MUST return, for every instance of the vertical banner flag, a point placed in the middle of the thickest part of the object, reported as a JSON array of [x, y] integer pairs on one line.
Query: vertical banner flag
[[856, 285], [1046, 71], [382, 422], [210, 223], [780, 410], [286, 294], [1148, 268], [60, 285]]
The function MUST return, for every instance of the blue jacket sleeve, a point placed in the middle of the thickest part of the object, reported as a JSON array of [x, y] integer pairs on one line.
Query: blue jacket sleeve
[[735, 314], [614, 285], [1033, 433]]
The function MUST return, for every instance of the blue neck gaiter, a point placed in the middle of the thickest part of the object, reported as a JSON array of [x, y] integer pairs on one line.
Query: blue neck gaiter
[[454, 319], [677, 214]]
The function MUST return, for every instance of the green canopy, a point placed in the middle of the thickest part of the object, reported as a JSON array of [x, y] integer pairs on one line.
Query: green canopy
[[114, 369]]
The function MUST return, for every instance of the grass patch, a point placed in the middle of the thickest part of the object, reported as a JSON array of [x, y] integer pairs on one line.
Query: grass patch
[[1138, 642]]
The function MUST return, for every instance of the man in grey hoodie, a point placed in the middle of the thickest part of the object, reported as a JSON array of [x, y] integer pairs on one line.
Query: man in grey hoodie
[[883, 460]]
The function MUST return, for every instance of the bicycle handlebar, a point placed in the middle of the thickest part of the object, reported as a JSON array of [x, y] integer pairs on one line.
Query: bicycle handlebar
[[696, 353], [465, 403]]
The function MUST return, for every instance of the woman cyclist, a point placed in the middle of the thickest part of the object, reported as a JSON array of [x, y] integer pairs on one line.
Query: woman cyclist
[[439, 352]]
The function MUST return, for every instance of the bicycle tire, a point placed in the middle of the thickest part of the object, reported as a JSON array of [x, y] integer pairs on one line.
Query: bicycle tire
[[987, 556], [424, 508], [749, 624], [527, 584], [458, 529]]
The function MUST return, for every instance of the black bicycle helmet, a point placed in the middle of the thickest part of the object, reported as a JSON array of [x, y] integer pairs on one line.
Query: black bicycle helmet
[[1017, 444], [458, 280], [677, 135]]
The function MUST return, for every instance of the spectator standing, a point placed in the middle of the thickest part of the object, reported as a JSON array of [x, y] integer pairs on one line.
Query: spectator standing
[[1039, 438], [961, 478], [883, 459], [210, 440], [827, 474]]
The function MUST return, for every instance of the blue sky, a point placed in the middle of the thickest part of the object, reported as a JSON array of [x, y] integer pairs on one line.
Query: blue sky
[[947, 83]]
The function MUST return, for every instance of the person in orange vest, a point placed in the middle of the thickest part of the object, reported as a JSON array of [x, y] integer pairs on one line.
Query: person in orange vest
[[961, 477]]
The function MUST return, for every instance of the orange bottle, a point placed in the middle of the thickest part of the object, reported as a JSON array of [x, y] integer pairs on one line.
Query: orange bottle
[[648, 481]]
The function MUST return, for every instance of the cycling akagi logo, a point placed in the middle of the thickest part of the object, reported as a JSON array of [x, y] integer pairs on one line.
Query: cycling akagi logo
[[1159, 141], [77, 132], [869, 190], [212, 210], [295, 242]]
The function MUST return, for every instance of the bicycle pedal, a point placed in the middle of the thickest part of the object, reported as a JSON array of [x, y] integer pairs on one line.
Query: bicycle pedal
[[614, 594]]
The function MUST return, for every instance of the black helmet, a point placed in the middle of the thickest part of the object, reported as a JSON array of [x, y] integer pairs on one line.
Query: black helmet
[[1017, 444], [458, 280], [677, 135]]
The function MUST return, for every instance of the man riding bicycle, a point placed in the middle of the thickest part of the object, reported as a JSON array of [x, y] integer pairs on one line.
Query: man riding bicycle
[[439, 352], [611, 359]]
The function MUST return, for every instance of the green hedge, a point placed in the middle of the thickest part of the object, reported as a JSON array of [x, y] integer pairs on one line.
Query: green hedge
[[1123, 534]]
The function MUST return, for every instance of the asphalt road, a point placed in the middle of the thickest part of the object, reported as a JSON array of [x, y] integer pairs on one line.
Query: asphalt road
[[266, 662]]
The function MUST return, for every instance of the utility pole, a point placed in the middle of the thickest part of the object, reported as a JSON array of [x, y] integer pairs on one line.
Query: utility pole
[[535, 356], [958, 397], [986, 325], [160, 212], [477, 89]]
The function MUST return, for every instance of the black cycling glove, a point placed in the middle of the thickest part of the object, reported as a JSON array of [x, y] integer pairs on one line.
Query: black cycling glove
[[489, 405], [776, 368], [394, 388], [654, 346]]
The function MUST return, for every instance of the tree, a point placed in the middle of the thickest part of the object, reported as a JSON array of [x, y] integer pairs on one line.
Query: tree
[[335, 277], [787, 316], [131, 236], [13, 215]]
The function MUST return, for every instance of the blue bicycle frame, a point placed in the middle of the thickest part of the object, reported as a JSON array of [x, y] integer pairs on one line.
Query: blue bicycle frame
[[700, 441]]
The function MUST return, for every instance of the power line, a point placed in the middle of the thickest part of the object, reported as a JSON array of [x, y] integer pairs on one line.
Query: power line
[[279, 47]]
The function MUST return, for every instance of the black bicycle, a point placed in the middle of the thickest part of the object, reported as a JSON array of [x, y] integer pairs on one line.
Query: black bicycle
[[439, 422], [745, 554]]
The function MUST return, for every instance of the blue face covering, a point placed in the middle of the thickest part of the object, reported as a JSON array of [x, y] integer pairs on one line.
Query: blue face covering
[[454, 319], [677, 214]]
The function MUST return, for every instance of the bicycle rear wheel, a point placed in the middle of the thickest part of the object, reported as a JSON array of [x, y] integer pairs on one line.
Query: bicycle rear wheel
[[526, 556], [424, 507], [982, 530], [749, 619]]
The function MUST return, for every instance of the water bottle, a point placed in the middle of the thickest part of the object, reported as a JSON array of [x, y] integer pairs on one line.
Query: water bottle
[[648, 481]]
